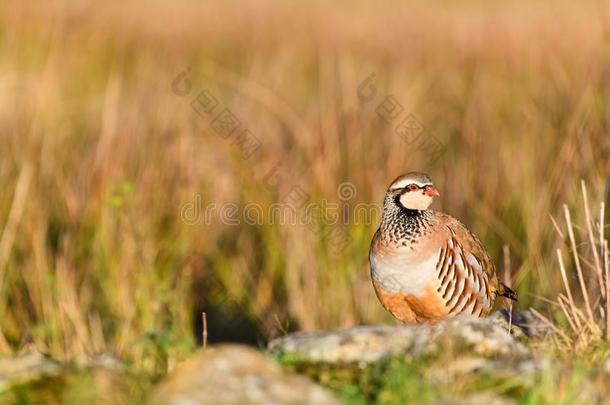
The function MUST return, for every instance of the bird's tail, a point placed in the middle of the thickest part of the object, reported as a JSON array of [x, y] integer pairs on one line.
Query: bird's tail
[[505, 291]]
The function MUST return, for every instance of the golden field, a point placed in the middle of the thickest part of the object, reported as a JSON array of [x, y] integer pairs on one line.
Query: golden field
[[112, 149]]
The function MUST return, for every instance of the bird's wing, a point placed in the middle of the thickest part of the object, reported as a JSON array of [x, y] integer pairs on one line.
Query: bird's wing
[[468, 281]]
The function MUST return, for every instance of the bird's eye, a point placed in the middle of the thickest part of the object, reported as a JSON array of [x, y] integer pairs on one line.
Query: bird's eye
[[413, 187]]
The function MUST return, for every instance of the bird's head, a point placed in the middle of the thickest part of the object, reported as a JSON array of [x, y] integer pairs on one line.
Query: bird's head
[[413, 191]]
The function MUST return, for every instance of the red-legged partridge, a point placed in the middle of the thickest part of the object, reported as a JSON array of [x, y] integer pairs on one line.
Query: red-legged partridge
[[427, 266]]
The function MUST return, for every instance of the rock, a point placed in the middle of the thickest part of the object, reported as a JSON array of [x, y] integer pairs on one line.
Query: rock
[[400, 362], [367, 344], [234, 374], [103, 360], [522, 324], [31, 377], [25, 367], [360, 344]]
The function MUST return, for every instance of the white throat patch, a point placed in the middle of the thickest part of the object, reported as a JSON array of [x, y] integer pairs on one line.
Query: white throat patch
[[415, 200]]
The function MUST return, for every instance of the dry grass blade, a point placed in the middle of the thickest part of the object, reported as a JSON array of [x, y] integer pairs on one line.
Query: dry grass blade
[[14, 217], [567, 285], [557, 228], [598, 267], [603, 243], [602, 209], [581, 280], [204, 330], [10, 230], [579, 315], [607, 271], [569, 316], [551, 325]]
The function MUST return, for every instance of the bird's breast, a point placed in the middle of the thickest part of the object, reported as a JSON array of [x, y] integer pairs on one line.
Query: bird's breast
[[404, 271]]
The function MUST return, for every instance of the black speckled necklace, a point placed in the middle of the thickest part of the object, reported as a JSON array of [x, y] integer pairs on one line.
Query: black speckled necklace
[[402, 226]]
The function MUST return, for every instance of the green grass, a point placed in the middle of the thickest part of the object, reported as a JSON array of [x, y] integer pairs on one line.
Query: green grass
[[78, 386], [422, 380]]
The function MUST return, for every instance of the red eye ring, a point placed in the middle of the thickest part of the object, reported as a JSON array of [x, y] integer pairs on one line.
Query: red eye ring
[[413, 187]]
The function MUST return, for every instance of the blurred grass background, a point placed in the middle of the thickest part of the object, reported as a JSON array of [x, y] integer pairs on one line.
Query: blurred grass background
[[99, 156]]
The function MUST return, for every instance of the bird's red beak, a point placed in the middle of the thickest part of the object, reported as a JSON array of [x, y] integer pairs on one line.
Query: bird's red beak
[[431, 191]]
